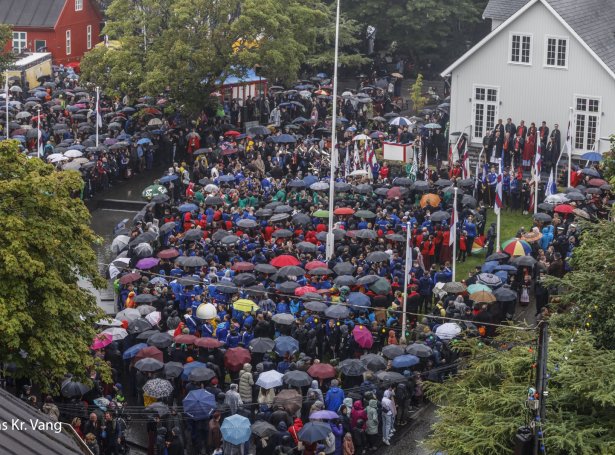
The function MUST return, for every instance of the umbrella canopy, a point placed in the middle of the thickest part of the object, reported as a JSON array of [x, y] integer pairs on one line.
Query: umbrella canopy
[[322, 371], [352, 367], [505, 295], [430, 199], [337, 312], [149, 352], [173, 370], [324, 415], [201, 374], [377, 256], [482, 297], [261, 345], [71, 389], [149, 365], [524, 261], [269, 379], [101, 341], [315, 306], [405, 361], [392, 350], [289, 399], [265, 268], [158, 388], [139, 325], [199, 404], [284, 260], [283, 318], [133, 350], [117, 333], [478, 287], [381, 287], [419, 350], [160, 409], [390, 377], [454, 287], [448, 331], [374, 362], [344, 268], [358, 299], [286, 344], [235, 358], [362, 336], [297, 378], [516, 247], [263, 429], [489, 279], [314, 432], [236, 429]]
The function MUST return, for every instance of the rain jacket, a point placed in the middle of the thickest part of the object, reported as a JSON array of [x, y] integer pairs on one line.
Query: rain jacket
[[334, 399], [246, 381], [357, 413], [372, 417]]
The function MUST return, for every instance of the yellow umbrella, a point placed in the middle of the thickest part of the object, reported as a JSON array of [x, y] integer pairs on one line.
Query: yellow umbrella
[[245, 305], [483, 297]]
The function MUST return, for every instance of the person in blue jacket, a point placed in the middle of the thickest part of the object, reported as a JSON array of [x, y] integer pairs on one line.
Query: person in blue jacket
[[335, 397]]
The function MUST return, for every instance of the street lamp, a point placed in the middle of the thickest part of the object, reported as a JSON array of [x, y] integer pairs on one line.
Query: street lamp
[[333, 157]]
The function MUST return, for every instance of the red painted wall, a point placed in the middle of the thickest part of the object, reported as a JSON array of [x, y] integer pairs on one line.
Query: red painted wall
[[76, 22]]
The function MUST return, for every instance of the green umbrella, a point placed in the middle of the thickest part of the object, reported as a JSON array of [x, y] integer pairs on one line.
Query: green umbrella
[[153, 190], [321, 214]]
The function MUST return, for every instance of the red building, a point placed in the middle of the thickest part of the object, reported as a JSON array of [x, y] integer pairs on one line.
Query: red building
[[66, 28]]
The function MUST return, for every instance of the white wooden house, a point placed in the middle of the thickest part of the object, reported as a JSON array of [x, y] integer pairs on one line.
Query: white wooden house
[[541, 58]]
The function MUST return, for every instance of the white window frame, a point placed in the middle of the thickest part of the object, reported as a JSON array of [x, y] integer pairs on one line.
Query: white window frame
[[586, 146], [484, 103], [546, 52], [78, 5], [69, 44], [88, 37], [510, 48], [19, 49]]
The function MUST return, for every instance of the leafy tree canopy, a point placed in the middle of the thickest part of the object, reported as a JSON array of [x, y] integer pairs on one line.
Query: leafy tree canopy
[[46, 319]]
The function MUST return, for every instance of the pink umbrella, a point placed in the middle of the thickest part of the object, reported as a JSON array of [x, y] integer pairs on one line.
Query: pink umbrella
[[304, 290], [363, 336], [147, 263], [102, 340]]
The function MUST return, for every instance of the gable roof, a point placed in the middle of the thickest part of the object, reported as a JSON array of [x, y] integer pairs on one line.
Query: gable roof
[[591, 22], [502, 9], [28, 441], [31, 13]]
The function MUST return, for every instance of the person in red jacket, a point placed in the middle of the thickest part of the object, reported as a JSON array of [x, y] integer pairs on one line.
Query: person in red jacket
[[384, 171], [463, 247]]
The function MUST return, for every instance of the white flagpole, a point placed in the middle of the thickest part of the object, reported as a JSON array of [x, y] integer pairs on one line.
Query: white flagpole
[[572, 132], [38, 132], [454, 242], [537, 177], [6, 86], [408, 266], [330, 237], [97, 114]]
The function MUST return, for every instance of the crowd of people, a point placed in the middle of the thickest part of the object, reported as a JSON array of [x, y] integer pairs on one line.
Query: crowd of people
[[236, 334]]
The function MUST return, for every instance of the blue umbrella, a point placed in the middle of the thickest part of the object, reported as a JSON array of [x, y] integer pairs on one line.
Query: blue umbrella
[[199, 404], [322, 75], [502, 275], [286, 344], [191, 366], [592, 156], [505, 268], [310, 179], [285, 139], [133, 350], [168, 178], [187, 207], [144, 141], [236, 429], [358, 299], [405, 361], [489, 267], [226, 178]]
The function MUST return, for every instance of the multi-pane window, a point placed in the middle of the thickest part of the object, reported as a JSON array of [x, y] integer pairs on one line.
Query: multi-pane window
[[485, 111], [587, 122], [20, 42], [557, 52], [78, 5], [521, 49], [68, 42], [88, 37]]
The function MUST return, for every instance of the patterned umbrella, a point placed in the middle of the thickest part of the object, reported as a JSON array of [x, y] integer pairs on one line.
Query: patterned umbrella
[[516, 247], [158, 388]]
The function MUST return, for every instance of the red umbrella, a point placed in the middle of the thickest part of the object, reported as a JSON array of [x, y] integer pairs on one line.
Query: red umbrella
[[243, 267], [207, 343], [235, 358], [152, 111], [344, 211], [130, 278], [363, 336], [322, 371], [185, 339], [169, 253], [102, 340], [315, 265], [232, 133], [564, 208], [229, 151], [396, 192], [284, 260], [304, 290], [597, 182], [150, 352]]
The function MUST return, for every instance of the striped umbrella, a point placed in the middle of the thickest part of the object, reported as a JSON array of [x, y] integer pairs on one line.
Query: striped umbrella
[[516, 247]]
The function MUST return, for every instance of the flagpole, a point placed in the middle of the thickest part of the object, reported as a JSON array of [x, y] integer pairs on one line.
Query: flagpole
[[330, 236], [408, 266], [38, 132], [6, 85], [537, 178], [97, 113], [454, 230], [572, 131]]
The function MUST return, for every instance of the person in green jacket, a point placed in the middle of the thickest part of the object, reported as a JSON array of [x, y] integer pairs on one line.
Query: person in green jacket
[[372, 423], [280, 195]]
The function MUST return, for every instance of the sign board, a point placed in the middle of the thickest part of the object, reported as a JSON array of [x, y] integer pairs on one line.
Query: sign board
[[397, 152]]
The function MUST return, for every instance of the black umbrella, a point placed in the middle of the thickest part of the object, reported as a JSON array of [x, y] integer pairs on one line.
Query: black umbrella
[[263, 213], [377, 256], [288, 287], [291, 270], [420, 185], [321, 271], [443, 183], [496, 257], [402, 181], [420, 350], [173, 370], [469, 201], [337, 312], [190, 261], [282, 234], [301, 219], [345, 280], [279, 217], [201, 374], [145, 335], [352, 367], [219, 235], [296, 184], [149, 365], [374, 362], [261, 345], [395, 237], [71, 389], [316, 306], [390, 377], [367, 280], [230, 240], [283, 209], [363, 188], [439, 216], [391, 351], [244, 279], [297, 378], [247, 223], [505, 295], [227, 288], [342, 187], [265, 268], [263, 429], [193, 235], [145, 298], [139, 325], [543, 217], [159, 408], [546, 207], [161, 340], [465, 183], [344, 268], [214, 200], [524, 261], [306, 247], [366, 234]]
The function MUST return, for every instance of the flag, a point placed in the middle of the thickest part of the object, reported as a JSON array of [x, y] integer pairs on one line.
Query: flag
[[414, 169], [538, 161], [569, 134], [465, 162], [532, 198], [39, 138], [453, 233], [551, 188], [426, 176], [371, 156], [98, 117], [498, 192], [450, 156]]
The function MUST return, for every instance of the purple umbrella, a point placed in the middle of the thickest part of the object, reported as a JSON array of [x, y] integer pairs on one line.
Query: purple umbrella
[[147, 263], [110, 141], [324, 415]]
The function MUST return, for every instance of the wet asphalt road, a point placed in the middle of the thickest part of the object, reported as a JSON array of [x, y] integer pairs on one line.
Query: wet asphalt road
[[408, 439]]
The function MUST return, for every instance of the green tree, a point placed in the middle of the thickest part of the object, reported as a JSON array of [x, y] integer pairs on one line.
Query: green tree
[[483, 406], [6, 55], [416, 94], [46, 319]]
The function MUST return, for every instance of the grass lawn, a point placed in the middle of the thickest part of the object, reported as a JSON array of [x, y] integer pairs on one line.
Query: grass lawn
[[510, 223]]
